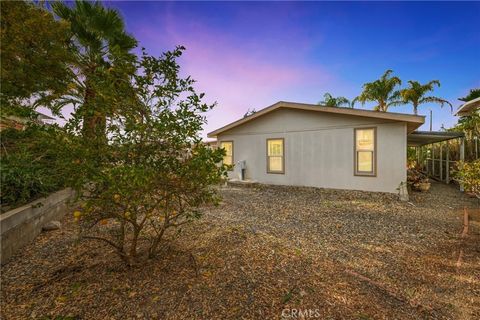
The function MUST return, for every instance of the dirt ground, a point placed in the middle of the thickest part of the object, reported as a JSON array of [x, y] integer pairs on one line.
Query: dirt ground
[[269, 253]]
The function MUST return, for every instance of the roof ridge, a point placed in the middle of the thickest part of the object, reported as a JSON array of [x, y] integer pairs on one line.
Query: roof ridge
[[409, 118]]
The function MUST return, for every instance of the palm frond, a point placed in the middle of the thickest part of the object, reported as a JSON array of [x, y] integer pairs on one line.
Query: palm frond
[[396, 103], [415, 94], [433, 82], [440, 101], [354, 101], [342, 101], [327, 96], [396, 95], [381, 91], [386, 74], [331, 101]]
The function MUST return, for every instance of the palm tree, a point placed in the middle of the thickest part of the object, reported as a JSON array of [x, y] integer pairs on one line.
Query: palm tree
[[331, 101], [102, 48], [415, 94], [381, 91]]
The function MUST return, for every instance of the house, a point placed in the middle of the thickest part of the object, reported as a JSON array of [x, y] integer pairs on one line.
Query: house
[[310, 145], [20, 123], [211, 144]]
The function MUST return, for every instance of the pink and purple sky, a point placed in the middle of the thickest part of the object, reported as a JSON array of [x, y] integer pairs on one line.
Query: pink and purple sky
[[253, 54]]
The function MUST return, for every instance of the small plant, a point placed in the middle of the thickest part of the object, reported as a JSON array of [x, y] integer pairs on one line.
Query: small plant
[[250, 112]]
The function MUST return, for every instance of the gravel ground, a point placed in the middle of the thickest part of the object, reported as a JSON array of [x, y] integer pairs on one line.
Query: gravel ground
[[267, 250]]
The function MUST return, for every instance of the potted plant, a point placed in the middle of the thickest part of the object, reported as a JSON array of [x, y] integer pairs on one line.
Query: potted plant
[[417, 180], [422, 186]]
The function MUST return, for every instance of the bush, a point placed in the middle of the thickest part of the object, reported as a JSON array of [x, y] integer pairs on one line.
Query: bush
[[469, 175], [29, 166]]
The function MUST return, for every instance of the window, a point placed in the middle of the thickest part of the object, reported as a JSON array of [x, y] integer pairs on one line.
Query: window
[[228, 157], [275, 156], [365, 151]]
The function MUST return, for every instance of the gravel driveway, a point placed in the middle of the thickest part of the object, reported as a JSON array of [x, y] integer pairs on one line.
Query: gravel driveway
[[409, 249], [264, 252]]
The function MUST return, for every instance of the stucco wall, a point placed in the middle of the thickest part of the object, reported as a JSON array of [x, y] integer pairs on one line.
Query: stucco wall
[[319, 150]]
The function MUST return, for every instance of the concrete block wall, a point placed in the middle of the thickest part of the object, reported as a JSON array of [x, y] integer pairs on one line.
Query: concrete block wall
[[22, 225]]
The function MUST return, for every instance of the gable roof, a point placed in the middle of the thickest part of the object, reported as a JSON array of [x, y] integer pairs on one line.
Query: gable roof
[[413, 121]]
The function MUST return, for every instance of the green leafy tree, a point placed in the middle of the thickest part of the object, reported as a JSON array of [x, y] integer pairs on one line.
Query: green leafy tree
[[381, 91], [331, 101], [103, 65], [155, 172], [34, 56], [416, 94]]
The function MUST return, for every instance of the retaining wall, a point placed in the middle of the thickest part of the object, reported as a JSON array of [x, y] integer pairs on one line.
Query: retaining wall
[[20, 226]]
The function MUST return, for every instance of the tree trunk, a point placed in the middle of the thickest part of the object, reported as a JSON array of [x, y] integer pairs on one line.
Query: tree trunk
[[94, 119], [382, 106], [153, 248], [122, 235], [133, 245], [88, 110]]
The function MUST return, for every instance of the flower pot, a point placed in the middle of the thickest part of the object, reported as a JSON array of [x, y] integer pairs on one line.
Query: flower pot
[[423, 186]]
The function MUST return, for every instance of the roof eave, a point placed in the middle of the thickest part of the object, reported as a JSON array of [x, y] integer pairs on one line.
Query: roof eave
[[468, 107], [413, 121], [231, 125]]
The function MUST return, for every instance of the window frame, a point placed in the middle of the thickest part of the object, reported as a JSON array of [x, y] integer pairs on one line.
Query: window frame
[[283, 156], [233, 153], [355, 154]]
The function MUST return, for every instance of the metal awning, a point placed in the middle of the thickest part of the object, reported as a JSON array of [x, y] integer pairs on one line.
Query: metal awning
[[468, 107], [421, 138]]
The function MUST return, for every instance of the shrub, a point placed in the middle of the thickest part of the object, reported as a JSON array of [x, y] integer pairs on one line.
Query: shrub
[[469, 175], [29, 165], [154, 172]]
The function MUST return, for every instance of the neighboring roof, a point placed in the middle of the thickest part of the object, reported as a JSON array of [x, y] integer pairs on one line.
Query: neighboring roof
[[468, 107], [41, 116], [210, 142], [413, 121], [421, 138]]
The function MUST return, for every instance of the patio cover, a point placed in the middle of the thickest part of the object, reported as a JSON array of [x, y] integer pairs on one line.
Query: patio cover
[[421, 138]]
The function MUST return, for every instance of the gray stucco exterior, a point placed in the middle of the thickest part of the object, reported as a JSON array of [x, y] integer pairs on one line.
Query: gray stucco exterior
[[319, 149]]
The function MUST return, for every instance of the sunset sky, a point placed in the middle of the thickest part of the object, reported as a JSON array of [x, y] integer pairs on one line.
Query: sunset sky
[[253, 54]]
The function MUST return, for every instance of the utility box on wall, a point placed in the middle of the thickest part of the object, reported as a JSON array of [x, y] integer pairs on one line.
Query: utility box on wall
[[241, 167]]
